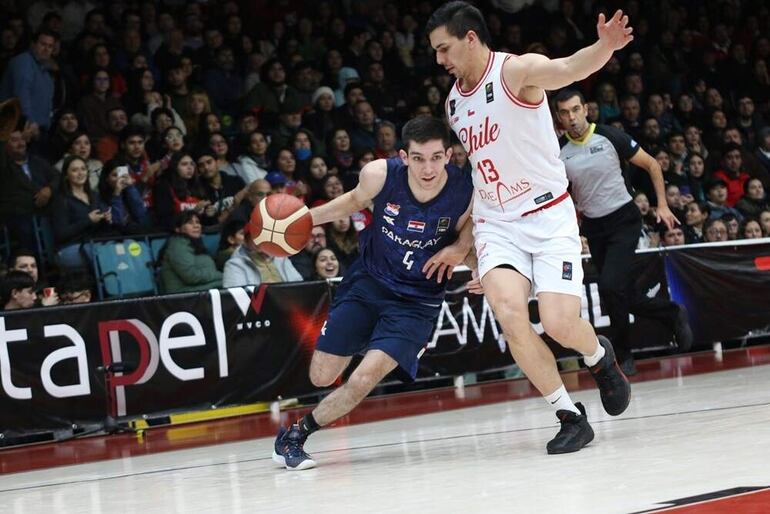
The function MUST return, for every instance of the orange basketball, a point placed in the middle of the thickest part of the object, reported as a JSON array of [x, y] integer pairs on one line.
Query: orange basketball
[[280, 225]]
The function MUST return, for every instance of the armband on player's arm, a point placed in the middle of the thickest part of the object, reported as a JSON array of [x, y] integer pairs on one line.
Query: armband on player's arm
[[370, 183]]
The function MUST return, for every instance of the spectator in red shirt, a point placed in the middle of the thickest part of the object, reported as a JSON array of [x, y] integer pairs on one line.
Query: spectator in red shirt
[[732, 173]]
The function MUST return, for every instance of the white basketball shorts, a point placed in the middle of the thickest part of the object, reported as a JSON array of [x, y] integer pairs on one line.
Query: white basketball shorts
[[543, 246]]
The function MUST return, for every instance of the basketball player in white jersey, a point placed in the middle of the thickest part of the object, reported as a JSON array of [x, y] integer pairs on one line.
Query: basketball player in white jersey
[[525, 226]]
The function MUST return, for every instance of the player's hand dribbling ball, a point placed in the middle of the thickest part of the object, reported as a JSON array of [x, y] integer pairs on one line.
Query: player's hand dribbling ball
[[280, 225]]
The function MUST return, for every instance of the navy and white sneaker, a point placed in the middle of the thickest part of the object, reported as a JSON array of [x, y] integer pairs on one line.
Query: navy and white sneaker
[[289, 451]]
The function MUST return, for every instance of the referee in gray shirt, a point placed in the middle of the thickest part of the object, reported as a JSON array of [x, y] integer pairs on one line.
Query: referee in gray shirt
[[594, 156]]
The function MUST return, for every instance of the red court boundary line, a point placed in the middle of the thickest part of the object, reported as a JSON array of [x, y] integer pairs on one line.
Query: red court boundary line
[[93, 449], [752, 502]]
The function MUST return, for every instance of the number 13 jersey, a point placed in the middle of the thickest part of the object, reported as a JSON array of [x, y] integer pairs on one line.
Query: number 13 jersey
[[511, 144]]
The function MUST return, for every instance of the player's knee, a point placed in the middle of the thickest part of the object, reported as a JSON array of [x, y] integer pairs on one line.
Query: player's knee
[[518, 339], [516, 327], [557, 326], [320, 379], [515, 324], [362, 383], [512, 317]]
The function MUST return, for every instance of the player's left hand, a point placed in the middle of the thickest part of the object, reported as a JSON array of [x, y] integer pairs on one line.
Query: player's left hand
[[444, 262], [664, 215], [614, 33]]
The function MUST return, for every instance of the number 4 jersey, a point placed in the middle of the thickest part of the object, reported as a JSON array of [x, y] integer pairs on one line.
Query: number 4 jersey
[[511, 144], [405, 233]]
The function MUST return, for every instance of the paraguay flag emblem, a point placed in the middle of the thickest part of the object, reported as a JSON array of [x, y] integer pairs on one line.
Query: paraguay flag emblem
[[392, 209], [416, 226]]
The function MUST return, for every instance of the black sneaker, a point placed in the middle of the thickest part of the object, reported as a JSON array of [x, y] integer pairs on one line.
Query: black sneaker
[[575, 432], [613, 385], [682, 331], [289, 452]]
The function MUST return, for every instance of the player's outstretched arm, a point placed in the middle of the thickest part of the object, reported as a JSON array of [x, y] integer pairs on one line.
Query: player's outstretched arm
[[370, 183], [535, 70]]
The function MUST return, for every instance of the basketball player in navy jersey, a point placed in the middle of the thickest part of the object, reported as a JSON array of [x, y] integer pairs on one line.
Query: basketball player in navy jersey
[[386, 307], [525, 225]]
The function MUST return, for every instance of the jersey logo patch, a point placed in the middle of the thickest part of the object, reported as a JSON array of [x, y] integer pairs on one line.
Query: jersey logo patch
[[543, 198], [471, 112], [490, 92], [389, 220], [392, 209], [416, 226], [596, 149], [452, 107], [566, 270], [443, 225]]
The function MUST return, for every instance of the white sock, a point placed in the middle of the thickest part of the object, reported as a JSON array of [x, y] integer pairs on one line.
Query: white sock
[[560, 400], [591, 360]]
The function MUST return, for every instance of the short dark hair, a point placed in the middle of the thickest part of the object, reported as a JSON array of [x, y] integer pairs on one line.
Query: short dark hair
[[675, 133], [567, 94], [230, 228], [663, 229], [14, 280], [670, 185], [45, 32], [703, 207], [715, 182], [75, 135], [116, 108], [459, 18], [75, 281], [158, 112], [20, 252], [385, 123], [351, 86], [185, 217], [711, 222], [130, 131], [423, 129], [203, 151], [730, 147]]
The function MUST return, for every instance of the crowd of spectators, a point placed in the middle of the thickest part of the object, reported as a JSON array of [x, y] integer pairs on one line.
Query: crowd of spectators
[[142, 117]]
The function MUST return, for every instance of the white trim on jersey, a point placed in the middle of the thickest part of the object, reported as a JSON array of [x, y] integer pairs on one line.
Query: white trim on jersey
[[514, 98], [511, 144]]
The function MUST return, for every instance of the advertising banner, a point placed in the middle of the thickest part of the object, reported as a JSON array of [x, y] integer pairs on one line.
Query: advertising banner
[[75, 365]]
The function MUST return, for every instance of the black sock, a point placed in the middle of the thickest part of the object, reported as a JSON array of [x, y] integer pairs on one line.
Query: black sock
[[307, 425]]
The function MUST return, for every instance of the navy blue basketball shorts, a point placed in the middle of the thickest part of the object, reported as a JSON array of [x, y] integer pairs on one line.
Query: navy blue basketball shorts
[[365, 315]]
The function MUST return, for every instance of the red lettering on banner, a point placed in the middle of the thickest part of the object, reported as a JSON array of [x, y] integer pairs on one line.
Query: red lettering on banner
[[762, 263], [122, 325], [479, 138]]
